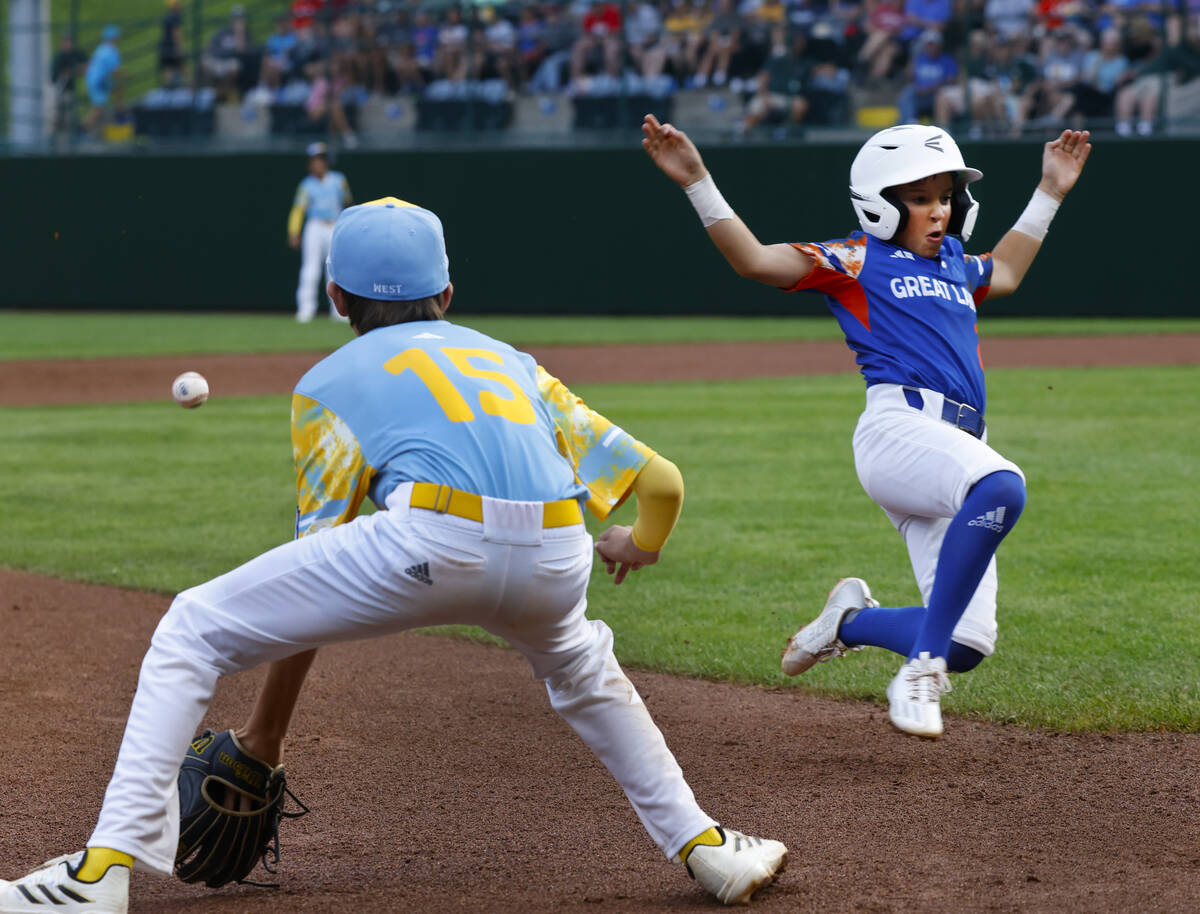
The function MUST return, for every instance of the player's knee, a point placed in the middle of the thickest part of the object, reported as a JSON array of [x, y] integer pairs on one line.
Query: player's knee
[[1006, 488], [962, 658]]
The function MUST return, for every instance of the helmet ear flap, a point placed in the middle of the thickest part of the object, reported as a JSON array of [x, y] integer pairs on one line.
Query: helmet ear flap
[[964, 210], [890, 196], [877, 215]]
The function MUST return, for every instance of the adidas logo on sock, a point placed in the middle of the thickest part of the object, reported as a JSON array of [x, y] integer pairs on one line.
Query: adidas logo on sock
[[421, 572], [992, 520]]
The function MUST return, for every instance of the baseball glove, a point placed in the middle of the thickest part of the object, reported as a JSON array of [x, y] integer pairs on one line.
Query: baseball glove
[[230, 805]]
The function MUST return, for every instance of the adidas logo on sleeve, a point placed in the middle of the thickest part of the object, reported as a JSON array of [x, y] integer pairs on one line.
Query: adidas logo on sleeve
[[992, 520]]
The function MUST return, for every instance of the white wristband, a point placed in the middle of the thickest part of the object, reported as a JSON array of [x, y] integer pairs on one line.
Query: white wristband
[[1035, 221], [708, 202]]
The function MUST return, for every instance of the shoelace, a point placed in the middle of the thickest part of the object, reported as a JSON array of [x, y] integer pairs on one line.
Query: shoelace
[[926, 685]]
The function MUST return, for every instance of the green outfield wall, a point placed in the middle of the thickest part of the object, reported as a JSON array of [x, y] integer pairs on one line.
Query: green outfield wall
[[559, 230]]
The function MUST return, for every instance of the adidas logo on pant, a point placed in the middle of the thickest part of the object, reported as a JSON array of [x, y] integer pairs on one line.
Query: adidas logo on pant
[[420, 572], [992, 520]]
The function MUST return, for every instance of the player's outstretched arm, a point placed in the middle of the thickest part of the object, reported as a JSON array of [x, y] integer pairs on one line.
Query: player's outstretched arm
[[659, 491], [1062, 163], [677, 156]]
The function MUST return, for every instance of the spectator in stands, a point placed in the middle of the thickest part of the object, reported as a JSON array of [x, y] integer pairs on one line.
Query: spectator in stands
[[404, 71], [425, 42], [760, 20], [598, 47], [882, 51], [1062, 64], [1105, 69], [977, 84], [230, 53], [1054, 15], [304, 13], [644, 39], [495, 49], [170, 46], [558, 38], [922, 17], [278, 50], [450, 59], [721, 41], [779, 86], [930, 69], [329, 82], [828, 87], [1009, 18], [531, 45], [1176, 65], [103, 77], [685, 24], [67, 66]]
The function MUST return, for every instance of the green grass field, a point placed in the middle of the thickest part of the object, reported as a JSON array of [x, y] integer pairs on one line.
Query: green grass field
[[1098, 589], [85, 334]]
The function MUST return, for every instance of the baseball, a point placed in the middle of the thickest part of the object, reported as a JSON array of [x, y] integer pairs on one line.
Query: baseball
[[189, 389]]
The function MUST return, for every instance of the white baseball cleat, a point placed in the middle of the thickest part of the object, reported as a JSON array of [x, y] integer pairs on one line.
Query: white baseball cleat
[[53, 887], [818, 641], [738, 867], [914, 696]]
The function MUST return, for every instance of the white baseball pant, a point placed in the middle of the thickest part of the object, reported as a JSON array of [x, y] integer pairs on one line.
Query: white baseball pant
[[506, 574], [314, 249], [919, 469]]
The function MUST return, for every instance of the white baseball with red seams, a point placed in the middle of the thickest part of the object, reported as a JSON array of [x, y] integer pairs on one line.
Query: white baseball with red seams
[[190, 389]]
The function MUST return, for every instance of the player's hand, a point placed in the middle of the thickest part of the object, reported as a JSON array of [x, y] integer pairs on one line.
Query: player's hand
[[1063, 160], [672, 151], [293, 241], [620, 555]]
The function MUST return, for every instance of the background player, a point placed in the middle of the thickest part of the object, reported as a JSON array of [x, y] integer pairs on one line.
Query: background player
[[462, 439], [320, 197], [905, 295]]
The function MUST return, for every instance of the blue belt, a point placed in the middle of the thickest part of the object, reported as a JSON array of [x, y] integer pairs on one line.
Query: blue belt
[[966, 417]]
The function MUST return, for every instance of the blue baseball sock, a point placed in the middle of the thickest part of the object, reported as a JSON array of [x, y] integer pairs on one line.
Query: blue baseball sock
[[989, 511], [895, 630]]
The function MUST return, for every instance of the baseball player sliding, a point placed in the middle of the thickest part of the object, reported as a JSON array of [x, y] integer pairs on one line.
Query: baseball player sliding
[[905, 296], [322, 194], [484, 463]]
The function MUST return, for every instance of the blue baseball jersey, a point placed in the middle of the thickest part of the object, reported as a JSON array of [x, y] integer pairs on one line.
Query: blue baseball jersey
[[323, 198], [910, 319], [105, 61], [431, 401]]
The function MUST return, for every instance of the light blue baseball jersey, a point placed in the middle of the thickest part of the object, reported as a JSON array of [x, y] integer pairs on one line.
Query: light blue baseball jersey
[[431, 401], [910, 319], [323, 198], [106, 60]]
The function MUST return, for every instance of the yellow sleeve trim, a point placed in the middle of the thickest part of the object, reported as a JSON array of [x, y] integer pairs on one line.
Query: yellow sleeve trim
[[659, 491], [295, 220]]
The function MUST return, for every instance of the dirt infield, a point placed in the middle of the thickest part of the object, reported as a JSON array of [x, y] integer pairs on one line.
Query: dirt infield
[[440, 779], [117, 380]]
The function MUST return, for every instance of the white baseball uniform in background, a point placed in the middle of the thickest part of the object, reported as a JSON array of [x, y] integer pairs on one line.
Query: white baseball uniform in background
[[321, 199]]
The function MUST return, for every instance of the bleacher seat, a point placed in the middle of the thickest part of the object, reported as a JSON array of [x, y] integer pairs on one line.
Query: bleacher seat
[[175, 112], [448, 106]]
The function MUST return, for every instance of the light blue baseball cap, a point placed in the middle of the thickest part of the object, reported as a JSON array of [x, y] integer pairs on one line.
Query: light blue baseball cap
[[389, 249], [111, 33]]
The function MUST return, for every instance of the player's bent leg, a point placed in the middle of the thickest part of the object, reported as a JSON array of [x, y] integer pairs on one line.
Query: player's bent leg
[[988, 513], [594, 696], [592, 693]]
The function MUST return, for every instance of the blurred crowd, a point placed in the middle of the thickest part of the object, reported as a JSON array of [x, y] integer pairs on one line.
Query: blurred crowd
[[996, 66]]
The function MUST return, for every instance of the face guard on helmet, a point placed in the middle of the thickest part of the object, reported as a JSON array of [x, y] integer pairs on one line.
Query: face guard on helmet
[[898, 156]]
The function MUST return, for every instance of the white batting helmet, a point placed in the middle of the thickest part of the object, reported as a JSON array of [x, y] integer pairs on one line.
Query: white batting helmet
[[897, 156]]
